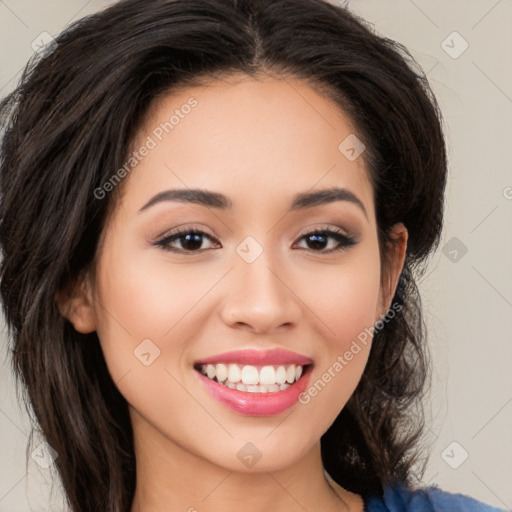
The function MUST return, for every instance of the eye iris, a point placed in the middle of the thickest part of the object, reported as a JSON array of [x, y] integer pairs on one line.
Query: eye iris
[[318, 240], [193, 241]]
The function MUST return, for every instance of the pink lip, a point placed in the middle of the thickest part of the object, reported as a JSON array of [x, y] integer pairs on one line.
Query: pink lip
[[256, 404], [258, 357]]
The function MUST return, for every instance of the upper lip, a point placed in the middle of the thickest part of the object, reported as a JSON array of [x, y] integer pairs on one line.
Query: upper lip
[[258, 357]]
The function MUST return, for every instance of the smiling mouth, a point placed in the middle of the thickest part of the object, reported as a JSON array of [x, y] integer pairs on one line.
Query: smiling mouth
[[253, 378]]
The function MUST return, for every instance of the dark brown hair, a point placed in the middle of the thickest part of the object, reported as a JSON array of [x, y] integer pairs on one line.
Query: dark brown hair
[[67, 128]]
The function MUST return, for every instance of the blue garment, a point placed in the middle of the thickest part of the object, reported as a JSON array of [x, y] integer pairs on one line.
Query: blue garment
[[399, 498]]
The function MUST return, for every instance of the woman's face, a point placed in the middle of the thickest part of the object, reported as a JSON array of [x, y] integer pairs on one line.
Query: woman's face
[[254, 294]]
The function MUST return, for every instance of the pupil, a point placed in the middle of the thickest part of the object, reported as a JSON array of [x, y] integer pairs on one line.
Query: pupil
[[190, 243], [315, 240]]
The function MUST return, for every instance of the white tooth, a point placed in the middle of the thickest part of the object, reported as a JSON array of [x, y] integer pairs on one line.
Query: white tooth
[[203, 369], [280, 375], [253, 389], [290, 374], [241, 387], [267, 375], [229, 384], [221, 372], [272, 388], [282, 387], [250, 375], [234, 373], [210, 371], [263, 388], [298, 373]]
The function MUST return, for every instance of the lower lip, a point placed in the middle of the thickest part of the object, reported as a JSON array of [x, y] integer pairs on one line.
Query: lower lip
[[256, 404]]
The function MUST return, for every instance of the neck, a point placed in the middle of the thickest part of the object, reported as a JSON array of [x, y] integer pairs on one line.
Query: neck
[[171, 478]]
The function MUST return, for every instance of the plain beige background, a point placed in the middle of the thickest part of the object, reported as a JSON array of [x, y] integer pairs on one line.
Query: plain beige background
[[466, 48]]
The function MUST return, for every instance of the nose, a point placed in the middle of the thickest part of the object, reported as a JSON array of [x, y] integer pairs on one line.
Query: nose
[[260, 296]]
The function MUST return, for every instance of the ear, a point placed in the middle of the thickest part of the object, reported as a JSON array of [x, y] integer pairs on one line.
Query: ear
[[75, 302], [392, 266]]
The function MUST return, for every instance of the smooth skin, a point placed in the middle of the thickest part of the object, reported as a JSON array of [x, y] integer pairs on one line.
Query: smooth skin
[[258, 142]]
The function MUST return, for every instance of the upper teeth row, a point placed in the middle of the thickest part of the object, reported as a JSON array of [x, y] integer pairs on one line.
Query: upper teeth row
[[252, 375]]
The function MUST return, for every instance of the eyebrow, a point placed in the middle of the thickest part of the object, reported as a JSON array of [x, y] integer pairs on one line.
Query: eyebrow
[[221, 202]]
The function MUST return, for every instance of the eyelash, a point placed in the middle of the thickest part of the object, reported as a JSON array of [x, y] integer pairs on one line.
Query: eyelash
[[344, 241]]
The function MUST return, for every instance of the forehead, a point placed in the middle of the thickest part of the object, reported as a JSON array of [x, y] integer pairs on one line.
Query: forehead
[[248, 137]]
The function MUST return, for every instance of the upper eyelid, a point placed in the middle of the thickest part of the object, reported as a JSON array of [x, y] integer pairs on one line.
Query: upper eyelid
[[190, 229], [336, 229]]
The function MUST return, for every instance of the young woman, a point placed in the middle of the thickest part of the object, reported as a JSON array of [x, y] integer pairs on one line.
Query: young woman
[[213, 213]]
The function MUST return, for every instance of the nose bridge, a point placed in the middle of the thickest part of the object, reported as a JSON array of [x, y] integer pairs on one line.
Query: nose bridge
[[255, 267], [261, 297]]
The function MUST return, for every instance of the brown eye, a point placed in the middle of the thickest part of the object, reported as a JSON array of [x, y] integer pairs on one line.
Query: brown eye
[[191, 240], [318, 240]]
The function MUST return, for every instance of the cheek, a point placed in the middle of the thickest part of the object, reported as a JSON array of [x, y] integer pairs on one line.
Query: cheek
[[144, 327], [345, 297], [148, 303], [347, 306], [346, 303], [142, 300]]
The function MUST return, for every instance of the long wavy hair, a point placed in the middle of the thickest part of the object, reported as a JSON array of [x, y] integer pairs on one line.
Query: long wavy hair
[[67, 128]]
